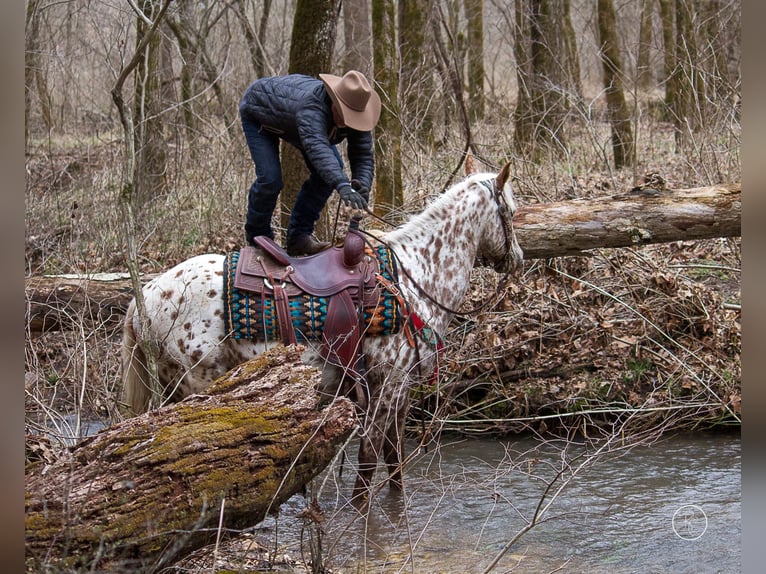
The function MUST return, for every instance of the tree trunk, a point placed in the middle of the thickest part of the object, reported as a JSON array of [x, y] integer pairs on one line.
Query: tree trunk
[[543, 105], [685, 75], [543, 230], [313, 39], [643, 66], [389, 189], [623, 147], [138, 494], [56, 303], [474, 14], [667, 17], [416, 83], [151, 160], [254, 38]]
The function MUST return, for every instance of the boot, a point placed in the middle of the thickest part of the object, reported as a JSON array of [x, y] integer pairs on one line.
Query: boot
[[305, 244]]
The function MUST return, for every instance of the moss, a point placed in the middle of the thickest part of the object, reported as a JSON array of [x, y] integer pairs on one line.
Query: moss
[[125, 448], [196, 426]]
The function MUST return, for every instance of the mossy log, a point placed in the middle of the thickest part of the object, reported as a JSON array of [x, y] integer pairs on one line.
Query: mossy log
[[543, 230], [141, 493]]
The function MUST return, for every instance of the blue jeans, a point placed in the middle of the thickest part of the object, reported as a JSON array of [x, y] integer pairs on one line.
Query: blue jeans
[[264, 192]]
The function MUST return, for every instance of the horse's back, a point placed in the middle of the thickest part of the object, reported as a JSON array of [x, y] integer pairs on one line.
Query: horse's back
[[185, 307]]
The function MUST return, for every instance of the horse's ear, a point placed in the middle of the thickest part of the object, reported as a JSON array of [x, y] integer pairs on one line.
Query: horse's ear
[[470, 165], [502, 177]]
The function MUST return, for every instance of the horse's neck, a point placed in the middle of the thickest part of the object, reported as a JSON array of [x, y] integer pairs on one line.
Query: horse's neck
[[437, 250]]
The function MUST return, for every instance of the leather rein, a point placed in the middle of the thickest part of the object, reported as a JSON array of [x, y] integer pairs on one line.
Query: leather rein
[[506, 216]]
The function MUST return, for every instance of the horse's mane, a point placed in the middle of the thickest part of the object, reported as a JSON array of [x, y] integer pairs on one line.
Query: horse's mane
[[427, 218]]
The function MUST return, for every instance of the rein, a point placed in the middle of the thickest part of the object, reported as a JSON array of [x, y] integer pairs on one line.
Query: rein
[[506, 214]]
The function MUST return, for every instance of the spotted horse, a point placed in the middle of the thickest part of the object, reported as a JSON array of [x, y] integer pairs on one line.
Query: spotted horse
[[434, 251]]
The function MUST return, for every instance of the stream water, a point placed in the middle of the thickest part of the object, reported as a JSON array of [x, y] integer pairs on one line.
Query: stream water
[[673, 506]]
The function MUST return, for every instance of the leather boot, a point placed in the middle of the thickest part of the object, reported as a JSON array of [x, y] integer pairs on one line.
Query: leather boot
[[305, 245]]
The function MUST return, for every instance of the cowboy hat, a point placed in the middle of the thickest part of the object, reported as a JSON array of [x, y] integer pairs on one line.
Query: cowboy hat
[[354, 98]]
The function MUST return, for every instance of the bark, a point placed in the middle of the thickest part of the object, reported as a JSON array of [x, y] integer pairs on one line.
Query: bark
[[643, 66], [474, 14], [623, 147], [151, 162], [311, 48], [544, 230], [416, 86], [54, 303], [631, 219], [542, 106], [142, 492], [389, 187]]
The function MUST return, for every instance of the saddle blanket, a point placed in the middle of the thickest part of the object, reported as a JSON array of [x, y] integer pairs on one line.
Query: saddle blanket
[[249, 316]]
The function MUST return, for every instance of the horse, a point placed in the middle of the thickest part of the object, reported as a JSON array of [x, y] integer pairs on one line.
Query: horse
[[435, 252]]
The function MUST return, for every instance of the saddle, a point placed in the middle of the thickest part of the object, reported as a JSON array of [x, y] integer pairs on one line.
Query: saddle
[[345, 276]]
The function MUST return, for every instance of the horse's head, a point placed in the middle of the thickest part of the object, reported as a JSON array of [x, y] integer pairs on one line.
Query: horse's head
[[500, 248]]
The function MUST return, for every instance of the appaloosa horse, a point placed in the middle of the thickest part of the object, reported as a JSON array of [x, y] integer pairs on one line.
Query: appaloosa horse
[[435, 252]]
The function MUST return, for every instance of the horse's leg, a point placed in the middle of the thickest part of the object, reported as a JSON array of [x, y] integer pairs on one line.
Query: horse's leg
[[364, 473], [383, 431], [393, 450], [373, 436]]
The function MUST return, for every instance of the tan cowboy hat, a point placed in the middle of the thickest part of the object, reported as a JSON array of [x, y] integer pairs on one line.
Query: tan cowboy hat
[[356, 100]]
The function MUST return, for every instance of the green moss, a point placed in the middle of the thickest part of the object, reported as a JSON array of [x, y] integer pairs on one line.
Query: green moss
[[230, 426], [250, 370], [125, 448]]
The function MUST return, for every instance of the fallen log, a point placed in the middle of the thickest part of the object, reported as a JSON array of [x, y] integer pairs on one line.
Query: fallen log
[[60, 302], [141, 493], [641, 217], [544, 230]]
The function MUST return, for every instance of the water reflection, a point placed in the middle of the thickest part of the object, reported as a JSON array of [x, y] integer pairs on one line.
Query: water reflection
[[465, 499]]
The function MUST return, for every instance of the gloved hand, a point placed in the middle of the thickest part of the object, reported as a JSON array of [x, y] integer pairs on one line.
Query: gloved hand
[[350, 197], [361, 189]]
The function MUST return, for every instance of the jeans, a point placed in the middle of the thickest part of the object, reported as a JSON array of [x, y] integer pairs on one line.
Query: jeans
[[264, 192]]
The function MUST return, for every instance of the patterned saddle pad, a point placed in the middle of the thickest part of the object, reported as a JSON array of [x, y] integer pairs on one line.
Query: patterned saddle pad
[[249, 315]]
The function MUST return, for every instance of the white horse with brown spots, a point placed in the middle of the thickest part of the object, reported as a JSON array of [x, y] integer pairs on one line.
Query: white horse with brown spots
[[435, 253]]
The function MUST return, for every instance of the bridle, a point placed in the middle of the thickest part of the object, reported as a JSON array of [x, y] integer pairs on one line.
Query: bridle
[[505, 212]]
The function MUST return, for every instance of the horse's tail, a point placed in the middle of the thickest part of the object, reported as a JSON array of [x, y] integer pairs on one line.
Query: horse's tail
[[135, 377]]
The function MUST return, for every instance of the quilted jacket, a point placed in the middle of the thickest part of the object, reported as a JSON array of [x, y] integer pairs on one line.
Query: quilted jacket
[[298, 109]]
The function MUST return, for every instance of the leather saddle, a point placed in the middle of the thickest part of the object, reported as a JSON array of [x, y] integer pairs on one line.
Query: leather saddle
[[345, 276]]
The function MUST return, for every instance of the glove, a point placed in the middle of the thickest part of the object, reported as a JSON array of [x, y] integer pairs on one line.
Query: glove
[[361, 189], [351, 198]]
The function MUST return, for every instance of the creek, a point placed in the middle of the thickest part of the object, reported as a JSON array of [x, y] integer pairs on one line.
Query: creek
[[672, 506]]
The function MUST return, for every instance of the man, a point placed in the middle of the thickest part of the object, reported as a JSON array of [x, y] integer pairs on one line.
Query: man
[[313, 115]]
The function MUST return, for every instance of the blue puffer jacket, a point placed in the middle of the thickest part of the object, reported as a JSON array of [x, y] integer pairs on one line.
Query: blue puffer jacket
[[298, 109]]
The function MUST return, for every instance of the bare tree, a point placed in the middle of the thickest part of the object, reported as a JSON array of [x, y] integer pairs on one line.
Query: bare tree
[[126, 198], [34, 75], [545, 93], [623, 147], [389, 194], [149, 179], [192, 26], [667, 17], [357, 35], [643, 69], [255, 36], [474, 15], [416, 84]]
